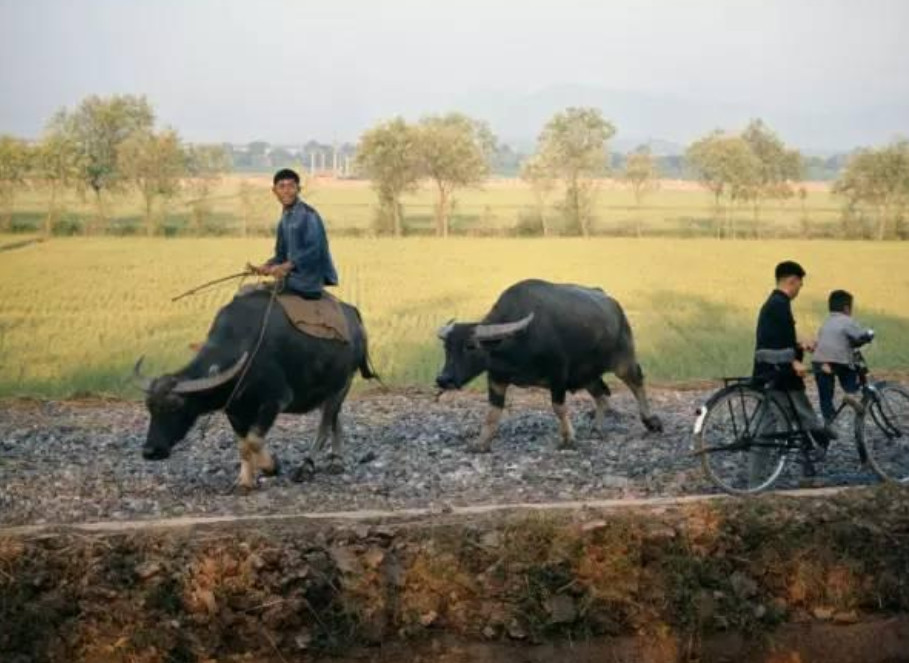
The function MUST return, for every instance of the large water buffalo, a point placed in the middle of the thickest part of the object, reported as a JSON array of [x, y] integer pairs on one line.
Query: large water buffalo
[[278, 370], [562, 337]]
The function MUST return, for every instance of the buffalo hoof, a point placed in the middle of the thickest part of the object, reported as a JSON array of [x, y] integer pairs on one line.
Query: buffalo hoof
[[598, 429], [567, 445], [152, 453], [275, 469], [653, 424], [305, 472], [479, 448], [335, 465]]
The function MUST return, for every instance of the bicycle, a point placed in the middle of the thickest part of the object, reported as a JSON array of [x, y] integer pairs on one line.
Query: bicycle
[[744, 436]]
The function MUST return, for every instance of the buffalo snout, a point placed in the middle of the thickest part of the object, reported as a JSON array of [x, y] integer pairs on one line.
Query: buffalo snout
[[446, 382]]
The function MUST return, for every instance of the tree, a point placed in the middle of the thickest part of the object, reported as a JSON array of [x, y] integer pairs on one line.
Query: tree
[[535, 173], [98, 127], [15, 162], [258, 151], [804, 220], [56, 164], [778, 166], [878, 178], [642, 176], [572, 148], [205, 164], [388, 155], [454, 152], [153, 164], [727, 167]]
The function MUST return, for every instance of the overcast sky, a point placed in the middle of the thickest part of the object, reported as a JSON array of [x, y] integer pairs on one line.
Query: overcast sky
[[287, 70]]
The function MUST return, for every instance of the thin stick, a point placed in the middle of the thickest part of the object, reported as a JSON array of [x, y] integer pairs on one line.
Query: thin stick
[[211, 283]]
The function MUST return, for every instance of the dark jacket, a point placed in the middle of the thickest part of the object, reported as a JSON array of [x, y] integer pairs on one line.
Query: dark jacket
[[776, 345], [301, 239]]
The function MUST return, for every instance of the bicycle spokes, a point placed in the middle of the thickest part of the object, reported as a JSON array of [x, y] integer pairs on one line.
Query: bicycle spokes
[[742, 440], [884, 432]]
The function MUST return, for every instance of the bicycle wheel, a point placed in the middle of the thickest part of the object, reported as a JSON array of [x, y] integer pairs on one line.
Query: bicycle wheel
[[741, 436], [884, 431]]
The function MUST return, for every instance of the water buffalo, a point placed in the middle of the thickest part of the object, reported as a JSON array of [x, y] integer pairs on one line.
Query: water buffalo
[[562, 337], [287, 371]]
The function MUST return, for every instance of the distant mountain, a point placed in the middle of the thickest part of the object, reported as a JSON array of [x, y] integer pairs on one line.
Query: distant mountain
[[669, 123]]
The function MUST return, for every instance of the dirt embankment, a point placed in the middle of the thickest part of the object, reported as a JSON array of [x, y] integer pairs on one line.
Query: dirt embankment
[[769, 579]]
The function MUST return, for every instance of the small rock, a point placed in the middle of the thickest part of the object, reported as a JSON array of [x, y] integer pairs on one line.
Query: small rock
[[823, 613], [593, 525], [428, 618], [743, 586], [489, 632], [491, 540], [846, 617], [561, 609], [303, 640], [147, 570], [660, 534], [346, 560], [206, 601], [374, 557], [516, 631], [382, 532]]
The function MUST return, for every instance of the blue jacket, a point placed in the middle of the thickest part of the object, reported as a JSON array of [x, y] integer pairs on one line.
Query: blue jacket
[[301, 239]]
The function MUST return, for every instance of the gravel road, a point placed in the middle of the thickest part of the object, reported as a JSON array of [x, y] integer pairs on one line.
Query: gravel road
[[80, 461]]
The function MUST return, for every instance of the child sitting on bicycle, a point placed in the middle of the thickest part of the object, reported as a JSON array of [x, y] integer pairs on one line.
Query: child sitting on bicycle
[[833, 358]]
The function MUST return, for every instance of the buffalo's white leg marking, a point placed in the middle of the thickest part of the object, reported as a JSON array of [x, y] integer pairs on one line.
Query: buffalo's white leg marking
[[602, 407], [489, 430], [565, 428], [253, 457]]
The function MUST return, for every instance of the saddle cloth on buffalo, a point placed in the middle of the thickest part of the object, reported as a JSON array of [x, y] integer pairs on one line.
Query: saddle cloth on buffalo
[[322, 318]]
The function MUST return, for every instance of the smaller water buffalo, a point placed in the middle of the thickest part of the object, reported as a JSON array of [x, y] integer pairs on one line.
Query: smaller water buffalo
[[559, 336], [256, 371]]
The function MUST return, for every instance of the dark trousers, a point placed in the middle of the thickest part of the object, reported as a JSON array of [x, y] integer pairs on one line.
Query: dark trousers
[[826, 385], [299, 293]]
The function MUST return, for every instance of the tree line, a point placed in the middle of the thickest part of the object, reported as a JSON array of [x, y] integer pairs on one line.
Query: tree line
[[748, 168], [107, 146]]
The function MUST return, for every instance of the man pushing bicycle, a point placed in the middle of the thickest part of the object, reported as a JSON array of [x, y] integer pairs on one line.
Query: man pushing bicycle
[[778, 354]]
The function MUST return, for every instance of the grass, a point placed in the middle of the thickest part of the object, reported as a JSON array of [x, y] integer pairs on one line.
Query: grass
[[75, 313], [678, 208]]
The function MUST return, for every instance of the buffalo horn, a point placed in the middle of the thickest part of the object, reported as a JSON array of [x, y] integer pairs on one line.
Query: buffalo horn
[[141, 381], [211, 381], [504, 330], [445, 329]]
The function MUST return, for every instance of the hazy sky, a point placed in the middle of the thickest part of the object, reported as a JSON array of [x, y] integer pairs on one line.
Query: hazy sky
[[288, 70]]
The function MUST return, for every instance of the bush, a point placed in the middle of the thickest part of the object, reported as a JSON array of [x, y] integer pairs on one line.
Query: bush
[[220, 224], [26, 222], [68, 225], [126, 226], [173, 226], [530, 223]]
